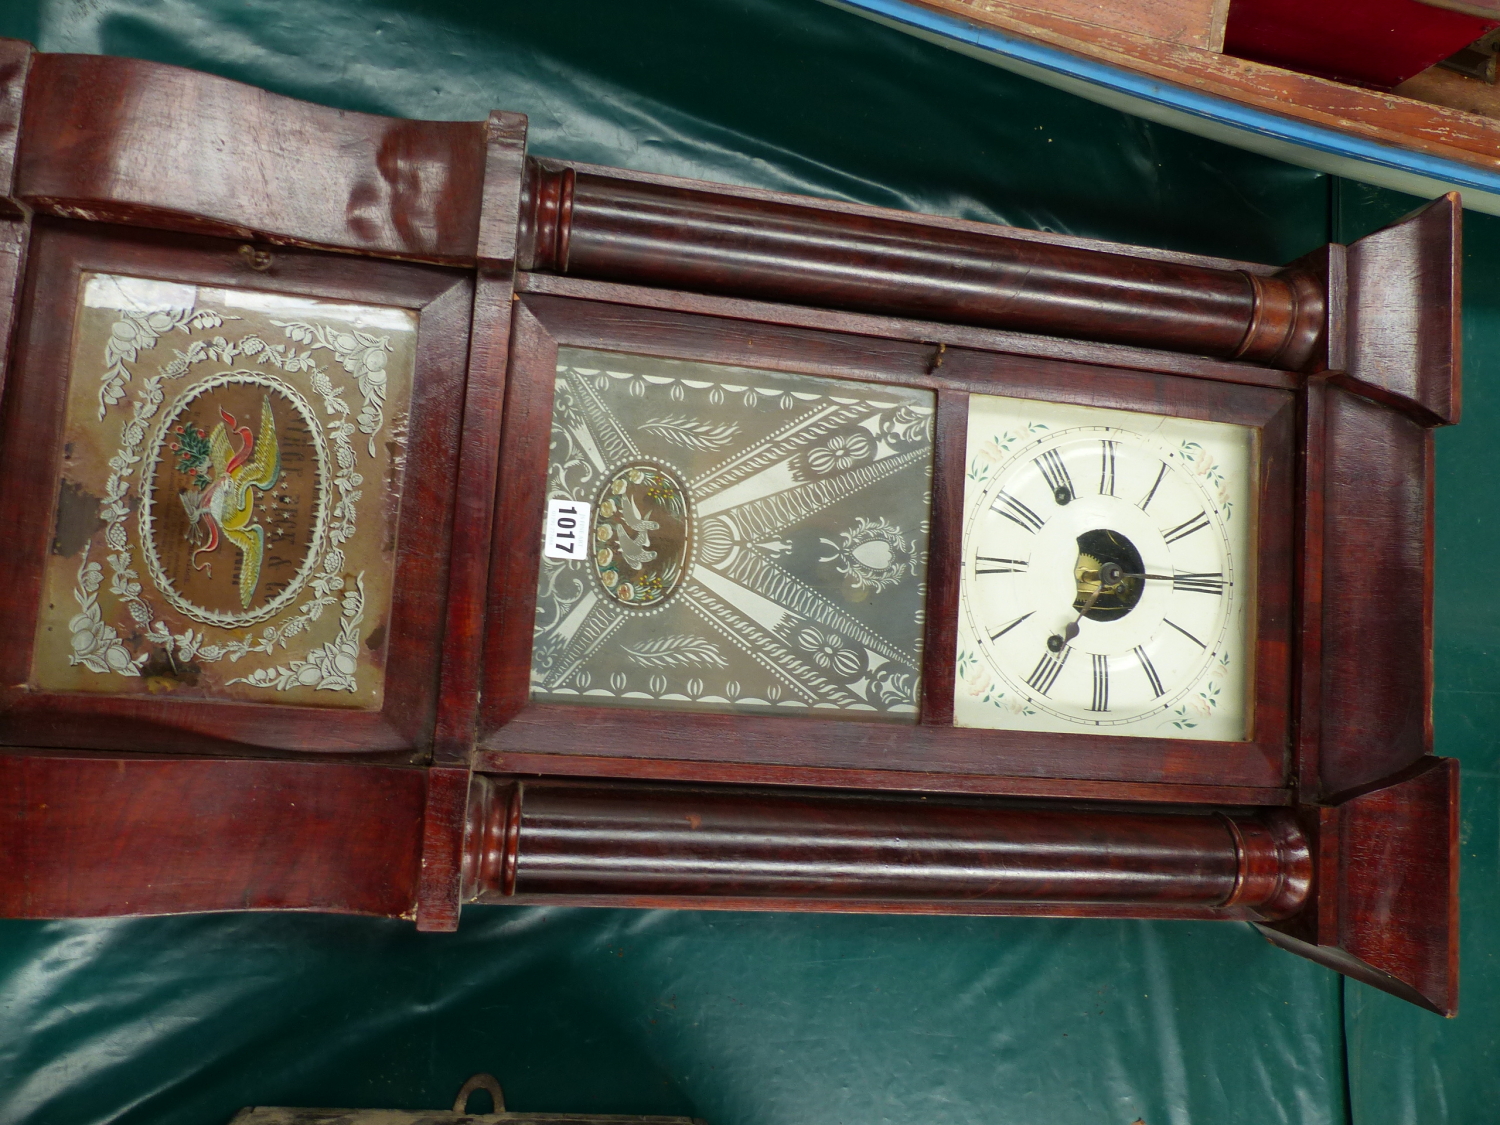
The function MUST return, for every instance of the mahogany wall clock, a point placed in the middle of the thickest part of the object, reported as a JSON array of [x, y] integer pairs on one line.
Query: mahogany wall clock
[[422, 523]]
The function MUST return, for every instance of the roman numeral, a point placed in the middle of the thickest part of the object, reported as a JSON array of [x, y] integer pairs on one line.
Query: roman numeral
[[1001, 566], [1018, 513], [1186, 528], [1157, 690], [1146, 503], [1044, 675], [1199, 583], [1185, 633], [1008, 628], [1101, 684], [1056, 474], [1107, 468]]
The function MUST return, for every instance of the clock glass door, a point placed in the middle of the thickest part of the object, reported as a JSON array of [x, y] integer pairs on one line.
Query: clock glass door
[[1108, 572], [731, 539]]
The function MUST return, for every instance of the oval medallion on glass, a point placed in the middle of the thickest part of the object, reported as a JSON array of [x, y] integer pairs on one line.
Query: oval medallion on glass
[[641, 535], [234, 498]]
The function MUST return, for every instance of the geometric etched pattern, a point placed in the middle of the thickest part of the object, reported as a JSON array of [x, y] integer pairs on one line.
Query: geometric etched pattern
[[793, 575]]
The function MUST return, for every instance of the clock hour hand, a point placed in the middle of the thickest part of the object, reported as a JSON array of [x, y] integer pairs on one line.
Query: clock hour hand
[[1056, 641]]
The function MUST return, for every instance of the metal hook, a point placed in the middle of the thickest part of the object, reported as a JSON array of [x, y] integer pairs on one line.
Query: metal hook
[[480, 1082]]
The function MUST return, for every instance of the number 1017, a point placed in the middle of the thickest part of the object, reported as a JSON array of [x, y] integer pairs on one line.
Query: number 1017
[[567, 530]]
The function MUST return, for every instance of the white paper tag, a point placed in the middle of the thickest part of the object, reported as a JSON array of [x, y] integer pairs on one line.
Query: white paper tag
[[567, 534]]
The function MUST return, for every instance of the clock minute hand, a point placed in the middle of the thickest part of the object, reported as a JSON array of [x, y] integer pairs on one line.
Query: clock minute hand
[[1110, 574], [1056, 642]]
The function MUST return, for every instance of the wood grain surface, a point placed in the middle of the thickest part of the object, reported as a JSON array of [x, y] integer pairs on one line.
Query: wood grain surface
[[123, 140], [689, 238], [659, 843], [1405, 330], [87, 837], [1376, 591], [1385, 908], [1370, 114]]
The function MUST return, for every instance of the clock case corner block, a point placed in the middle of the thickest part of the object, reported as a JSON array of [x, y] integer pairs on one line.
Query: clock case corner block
[[1336, 835]]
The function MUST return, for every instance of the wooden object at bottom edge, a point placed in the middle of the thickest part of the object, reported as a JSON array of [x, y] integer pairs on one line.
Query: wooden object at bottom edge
[[1366, 884]]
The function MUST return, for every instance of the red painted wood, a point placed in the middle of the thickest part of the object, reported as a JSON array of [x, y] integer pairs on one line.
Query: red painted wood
[[15, 230], [87, 837], [129, 141], [614, 229], [630, 737], [1378, 43], [660, 843], [1312, 485], [916, 219], [516, 545], [30, 433]]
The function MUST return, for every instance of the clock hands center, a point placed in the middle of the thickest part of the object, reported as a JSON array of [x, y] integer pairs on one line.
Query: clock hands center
[[1056, 641], [1112, 574], [1109, 575]]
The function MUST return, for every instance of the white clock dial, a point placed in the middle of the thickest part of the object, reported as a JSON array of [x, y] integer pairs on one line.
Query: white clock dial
[[1107, 572]]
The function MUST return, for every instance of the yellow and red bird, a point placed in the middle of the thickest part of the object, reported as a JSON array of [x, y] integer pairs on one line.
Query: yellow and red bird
[[227, 503]]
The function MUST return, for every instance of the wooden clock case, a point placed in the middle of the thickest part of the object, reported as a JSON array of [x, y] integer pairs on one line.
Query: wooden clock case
[[1333, 829]]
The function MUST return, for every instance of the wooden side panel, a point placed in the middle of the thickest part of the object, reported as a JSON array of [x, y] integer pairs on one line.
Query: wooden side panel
[[143, 143], [1405, 330], [442, 842], [89, 837], [1385, 902], [1377, 575], [1398, 904]]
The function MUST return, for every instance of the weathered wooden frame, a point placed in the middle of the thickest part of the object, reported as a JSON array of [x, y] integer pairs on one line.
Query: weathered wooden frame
[[518, 736]]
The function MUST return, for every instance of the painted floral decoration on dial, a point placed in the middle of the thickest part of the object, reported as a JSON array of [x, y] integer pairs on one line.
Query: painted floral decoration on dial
[[1108, 570]]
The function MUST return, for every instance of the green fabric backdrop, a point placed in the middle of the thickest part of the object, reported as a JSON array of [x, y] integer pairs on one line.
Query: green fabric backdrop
[[746, 1018]]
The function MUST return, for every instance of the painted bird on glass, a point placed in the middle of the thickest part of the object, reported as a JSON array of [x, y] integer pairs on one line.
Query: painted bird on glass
[[633, 549], [227, 504]]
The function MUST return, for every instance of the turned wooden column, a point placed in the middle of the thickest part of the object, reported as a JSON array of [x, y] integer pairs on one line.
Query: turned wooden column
[[595, 226], [654, 842]]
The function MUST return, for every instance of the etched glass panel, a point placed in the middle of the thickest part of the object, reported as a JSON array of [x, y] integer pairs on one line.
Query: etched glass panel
[[228, 496], [757, 540]]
